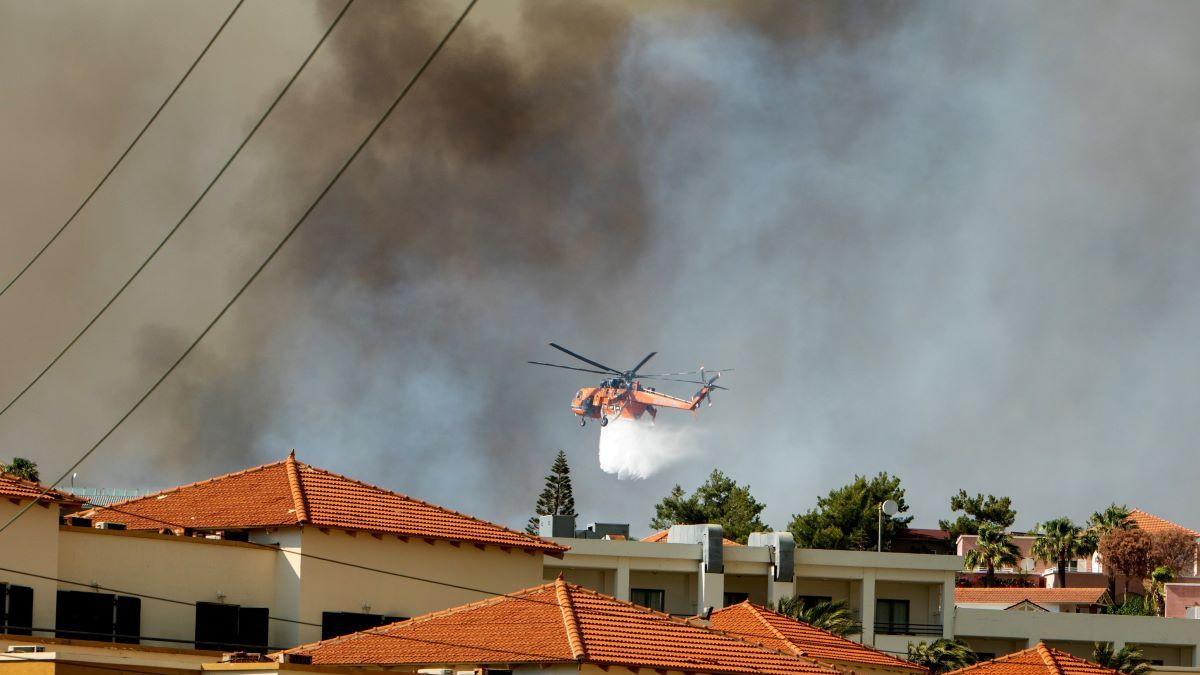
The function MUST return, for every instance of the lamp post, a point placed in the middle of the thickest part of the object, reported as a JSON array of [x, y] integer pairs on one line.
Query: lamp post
[[891, 508]]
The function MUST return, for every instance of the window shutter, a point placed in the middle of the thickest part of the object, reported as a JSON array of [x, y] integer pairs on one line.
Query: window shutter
[[253, 625], [19, 620], [85, 616], [216, 626], [128, 623]]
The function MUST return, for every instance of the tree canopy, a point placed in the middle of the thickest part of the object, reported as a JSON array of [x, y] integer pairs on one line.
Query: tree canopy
[[995, 548], [978, 511], [22, 468], [1060, 541], [557, 498], [847, 517], [720, 500]]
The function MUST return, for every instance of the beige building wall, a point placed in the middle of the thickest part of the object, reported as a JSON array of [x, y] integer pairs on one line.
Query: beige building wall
[[30, 544], [679, 589], [332, 587], [182, 568]]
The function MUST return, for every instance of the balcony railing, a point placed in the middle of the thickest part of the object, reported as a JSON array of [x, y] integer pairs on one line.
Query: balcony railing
[[888, 628]]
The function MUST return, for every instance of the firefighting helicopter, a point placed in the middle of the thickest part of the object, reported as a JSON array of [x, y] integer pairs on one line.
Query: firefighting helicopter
[[622, 394]]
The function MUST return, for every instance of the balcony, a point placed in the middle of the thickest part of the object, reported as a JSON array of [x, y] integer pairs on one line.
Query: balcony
[[891, 628]]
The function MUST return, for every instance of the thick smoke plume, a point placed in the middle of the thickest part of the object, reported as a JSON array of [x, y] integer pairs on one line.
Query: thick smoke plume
[[953, 242]]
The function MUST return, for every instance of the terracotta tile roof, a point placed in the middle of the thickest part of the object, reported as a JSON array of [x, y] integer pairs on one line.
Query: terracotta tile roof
[[778, 631], [1039, 596], [290, 492], [1039, 660], [14, 487], [558, 622], [1152, 523], [661, 538]]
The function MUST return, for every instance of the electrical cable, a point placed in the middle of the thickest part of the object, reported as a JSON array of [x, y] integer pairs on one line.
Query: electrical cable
[[120, 159], [266, 261], [146, 262], [170, 233]]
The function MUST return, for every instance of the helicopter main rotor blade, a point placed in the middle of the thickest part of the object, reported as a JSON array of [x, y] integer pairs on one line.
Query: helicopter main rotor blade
[[555, 365], [586, 360], [691, 372], [642, 363], [671, 379]]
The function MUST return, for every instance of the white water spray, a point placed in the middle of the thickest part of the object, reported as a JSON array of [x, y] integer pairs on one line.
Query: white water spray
[[633, 449]]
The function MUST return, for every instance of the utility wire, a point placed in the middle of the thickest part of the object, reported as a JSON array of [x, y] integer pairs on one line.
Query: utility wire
[[187, 213], [120, 159], [498, 594], [146, 262], [266, 261]]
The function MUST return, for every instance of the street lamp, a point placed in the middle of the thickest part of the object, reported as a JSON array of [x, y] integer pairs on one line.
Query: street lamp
[[891, 508]]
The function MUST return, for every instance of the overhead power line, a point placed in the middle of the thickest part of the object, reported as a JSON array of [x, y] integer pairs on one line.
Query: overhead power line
[[266, 261], [121, 158], [170, 233]]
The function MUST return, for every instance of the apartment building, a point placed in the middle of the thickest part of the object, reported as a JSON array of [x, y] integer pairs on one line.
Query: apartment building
[[270, 557], [898, 597]]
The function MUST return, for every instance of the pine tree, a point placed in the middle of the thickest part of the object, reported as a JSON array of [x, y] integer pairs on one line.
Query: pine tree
[[556, 499]]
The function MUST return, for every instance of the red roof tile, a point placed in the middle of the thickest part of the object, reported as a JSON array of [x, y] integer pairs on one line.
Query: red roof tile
[[1152, 523], [14, 487], [558, 622], [1039, 596], [783, 633], [1039, 660], [661, 538], [290, 492]]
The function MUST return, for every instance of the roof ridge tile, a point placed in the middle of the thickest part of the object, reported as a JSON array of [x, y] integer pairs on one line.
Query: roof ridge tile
[[570, 620], [297, 488]]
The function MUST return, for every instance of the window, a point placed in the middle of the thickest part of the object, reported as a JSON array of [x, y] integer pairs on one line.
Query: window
[[334, 624], [16, 609], [735, 598], [231, 628], [891, 616], [98, 616], [648, 597], [810, 600], [1072, 565]]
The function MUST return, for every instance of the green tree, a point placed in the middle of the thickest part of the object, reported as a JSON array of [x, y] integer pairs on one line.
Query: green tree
[[834, 616], [1100, 525], [556, 499], [941, 656], [1128, 659], [720, 500], [847, 517], [22, 468], [1060, 541], [978, 511], [994, 548]]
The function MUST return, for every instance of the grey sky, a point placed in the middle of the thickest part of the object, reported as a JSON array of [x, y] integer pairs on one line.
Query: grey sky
[[954, 242]]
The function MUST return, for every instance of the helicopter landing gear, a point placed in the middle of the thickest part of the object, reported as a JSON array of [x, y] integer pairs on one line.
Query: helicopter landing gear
[[583, 421], [603, 421]]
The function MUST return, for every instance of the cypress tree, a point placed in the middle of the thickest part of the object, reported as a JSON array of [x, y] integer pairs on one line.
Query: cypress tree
[[556, 499]]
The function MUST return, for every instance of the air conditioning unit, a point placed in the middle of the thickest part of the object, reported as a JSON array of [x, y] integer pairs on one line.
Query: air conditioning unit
[[26, 649], [1193, 612], [435, 671], [105, 525]]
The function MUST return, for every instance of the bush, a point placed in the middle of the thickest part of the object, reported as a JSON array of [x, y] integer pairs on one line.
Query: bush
[[1134, 605]]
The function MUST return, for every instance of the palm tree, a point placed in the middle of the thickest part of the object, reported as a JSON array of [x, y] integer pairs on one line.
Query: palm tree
[[1060, 540], [1156, 586], [1128, 659], [834, 616], [1101, 524], [994, 548], [22, 468], [941, 656]]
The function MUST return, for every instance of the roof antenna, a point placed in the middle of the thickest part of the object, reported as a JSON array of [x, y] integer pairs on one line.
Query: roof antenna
[[706, 614]]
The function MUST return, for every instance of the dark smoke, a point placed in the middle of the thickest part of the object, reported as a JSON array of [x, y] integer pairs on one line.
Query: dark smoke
[[950, 242]]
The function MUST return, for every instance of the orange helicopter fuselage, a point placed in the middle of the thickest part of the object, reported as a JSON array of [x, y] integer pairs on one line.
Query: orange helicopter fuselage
[[630, 402]]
